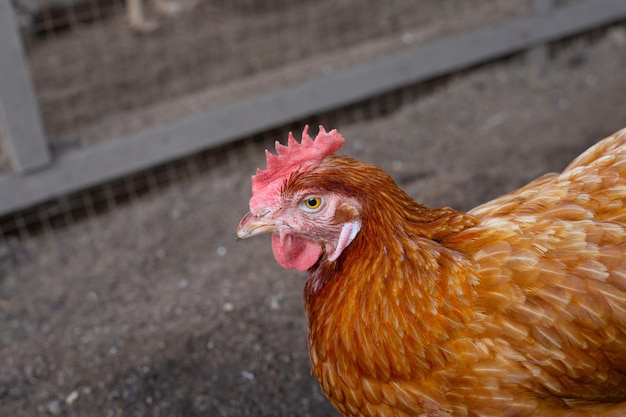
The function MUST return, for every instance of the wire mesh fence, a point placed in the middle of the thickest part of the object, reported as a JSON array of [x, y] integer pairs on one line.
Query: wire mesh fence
[[91, 67], [68, 209], [86, 204]]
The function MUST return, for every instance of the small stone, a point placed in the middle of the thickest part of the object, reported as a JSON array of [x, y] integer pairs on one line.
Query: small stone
[[276, 302], [183, 283], [618, 36], [248, 375], [397, 165], [222, 250], [73, 396], [493, 121], [54, 408], [228, 307], [408, 38]]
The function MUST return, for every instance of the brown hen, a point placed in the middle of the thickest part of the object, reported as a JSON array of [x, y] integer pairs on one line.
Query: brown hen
[[517, 308]]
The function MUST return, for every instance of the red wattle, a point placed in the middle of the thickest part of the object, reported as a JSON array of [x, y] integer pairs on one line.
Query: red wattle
[[293, 252]]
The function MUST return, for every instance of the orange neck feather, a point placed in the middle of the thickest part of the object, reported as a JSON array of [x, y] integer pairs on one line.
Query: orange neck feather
[[396, 288]]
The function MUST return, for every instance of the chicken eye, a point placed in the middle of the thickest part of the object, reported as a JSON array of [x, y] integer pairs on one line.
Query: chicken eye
[[312, 203]]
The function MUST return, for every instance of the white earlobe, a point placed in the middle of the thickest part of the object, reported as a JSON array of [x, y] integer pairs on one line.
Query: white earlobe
[[347, 235]]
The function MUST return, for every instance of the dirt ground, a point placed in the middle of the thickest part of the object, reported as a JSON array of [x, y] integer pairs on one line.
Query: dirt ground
[[153, 309]]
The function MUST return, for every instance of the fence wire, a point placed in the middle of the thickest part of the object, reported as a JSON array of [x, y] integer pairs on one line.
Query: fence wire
[[91, 67], [88, 204]]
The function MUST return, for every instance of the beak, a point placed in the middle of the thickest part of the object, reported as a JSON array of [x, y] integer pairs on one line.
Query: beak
[[251, 225]]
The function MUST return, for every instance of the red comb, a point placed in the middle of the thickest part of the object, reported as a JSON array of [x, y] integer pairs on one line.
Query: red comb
[[307, 154]]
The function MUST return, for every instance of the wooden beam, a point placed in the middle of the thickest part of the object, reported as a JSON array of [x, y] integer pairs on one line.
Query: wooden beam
[[20, 122]]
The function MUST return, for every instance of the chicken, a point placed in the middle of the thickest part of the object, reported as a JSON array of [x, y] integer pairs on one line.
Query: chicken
[[136, 13], [516, 308], [49, 16]]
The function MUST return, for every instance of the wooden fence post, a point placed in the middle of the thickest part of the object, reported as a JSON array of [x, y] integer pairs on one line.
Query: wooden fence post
[[20, 121]]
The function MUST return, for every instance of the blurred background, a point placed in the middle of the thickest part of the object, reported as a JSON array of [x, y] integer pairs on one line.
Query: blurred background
[[129, 131]]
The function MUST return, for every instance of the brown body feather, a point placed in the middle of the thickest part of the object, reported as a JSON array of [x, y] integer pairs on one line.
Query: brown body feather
[[517, 308]]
